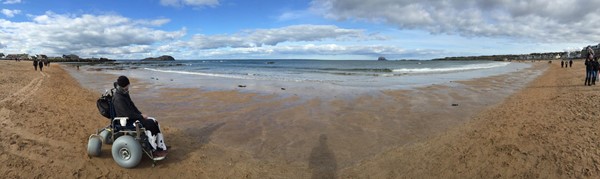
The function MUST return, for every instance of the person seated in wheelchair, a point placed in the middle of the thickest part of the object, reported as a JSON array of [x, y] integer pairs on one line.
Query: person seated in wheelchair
[[124, 107]]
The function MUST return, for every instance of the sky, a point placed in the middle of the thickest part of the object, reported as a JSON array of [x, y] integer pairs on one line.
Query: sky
[[296, 29]]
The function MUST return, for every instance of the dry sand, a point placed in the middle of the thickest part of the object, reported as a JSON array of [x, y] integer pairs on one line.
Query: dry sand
[[544, 131]]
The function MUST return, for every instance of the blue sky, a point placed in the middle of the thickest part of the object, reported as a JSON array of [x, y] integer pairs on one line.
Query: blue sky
[[293, 29]]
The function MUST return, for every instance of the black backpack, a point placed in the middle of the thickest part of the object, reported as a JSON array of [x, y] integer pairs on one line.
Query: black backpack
[[105, 105]]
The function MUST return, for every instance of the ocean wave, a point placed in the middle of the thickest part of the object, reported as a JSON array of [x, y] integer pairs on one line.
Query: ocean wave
[[245, 76], [452, 69], [379, 70], [248, 76]]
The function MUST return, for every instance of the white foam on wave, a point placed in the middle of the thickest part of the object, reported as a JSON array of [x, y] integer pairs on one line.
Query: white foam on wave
[[451, 69], [246, 76], [201, 74]]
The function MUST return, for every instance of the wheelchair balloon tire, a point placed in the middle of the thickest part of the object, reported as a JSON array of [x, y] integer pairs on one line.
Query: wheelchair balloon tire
[[127, 151], [94, 146]]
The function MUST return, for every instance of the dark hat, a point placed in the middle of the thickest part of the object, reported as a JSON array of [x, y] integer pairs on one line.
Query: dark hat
[[123, 81]]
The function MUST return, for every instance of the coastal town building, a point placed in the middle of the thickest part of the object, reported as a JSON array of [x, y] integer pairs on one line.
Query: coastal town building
[[17, 57]]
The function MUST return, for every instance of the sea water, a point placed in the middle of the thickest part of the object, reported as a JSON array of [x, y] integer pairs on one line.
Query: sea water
[[305, 76]]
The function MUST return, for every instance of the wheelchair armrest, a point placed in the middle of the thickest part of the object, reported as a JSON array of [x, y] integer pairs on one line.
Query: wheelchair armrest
[[116, 122], [120, 120]]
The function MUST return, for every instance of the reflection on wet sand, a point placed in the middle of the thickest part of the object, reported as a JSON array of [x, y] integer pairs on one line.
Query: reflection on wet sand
[[274, 135]]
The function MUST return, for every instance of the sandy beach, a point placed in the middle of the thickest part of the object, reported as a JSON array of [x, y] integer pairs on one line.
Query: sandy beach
[[545, 129]]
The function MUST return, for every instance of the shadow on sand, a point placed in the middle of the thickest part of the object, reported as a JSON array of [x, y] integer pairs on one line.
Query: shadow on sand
[[322, 161], [183, 143], [202, 136]]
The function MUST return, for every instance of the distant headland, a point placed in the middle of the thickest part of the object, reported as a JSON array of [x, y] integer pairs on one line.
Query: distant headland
[[161, 58]]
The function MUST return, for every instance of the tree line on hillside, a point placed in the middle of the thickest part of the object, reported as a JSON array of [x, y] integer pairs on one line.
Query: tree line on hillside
[[531, 56], [63, 58]]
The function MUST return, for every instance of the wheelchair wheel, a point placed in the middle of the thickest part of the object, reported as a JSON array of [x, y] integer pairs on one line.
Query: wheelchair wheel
[[127, 151], [94, 146], [106, 137]]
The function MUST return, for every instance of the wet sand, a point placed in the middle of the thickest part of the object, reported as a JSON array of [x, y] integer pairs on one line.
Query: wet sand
[[285, 130], [547, 130], [228, 134]]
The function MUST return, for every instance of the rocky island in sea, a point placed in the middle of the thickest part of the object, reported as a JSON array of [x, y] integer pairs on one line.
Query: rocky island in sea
[[161, 58]]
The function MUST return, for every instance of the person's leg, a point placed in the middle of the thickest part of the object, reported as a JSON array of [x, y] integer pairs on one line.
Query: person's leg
[[587, 77], [593, 78], [154, 134], [591, 74], [160, 139], [150, 132]]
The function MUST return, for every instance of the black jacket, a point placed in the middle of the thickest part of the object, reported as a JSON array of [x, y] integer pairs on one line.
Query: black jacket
[[588, 65], [124, 107]]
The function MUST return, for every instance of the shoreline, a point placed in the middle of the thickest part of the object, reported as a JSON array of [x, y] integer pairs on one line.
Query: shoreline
[[259, 135], [311, 86]]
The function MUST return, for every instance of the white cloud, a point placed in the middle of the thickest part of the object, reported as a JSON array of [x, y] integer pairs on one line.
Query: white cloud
[[85, 35], [156, 22], [197, 3], [312, 50], [11, 2], [260, 37], [293, 15], [124, 50], [289, 42], [10, 13], [115, 36], [535, 20]]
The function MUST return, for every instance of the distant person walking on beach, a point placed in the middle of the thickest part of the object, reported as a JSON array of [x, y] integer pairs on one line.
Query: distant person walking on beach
[[124, 107], [41, 64], [35, 63], [562, 63], [570, 63]]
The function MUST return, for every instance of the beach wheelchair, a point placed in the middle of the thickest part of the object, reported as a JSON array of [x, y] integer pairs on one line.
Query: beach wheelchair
[[128, 138]]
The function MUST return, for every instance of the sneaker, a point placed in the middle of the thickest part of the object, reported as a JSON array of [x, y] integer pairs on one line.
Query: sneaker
[[159, 155]]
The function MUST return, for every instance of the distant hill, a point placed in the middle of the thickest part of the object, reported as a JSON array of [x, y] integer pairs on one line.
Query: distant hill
[[161, 58]]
